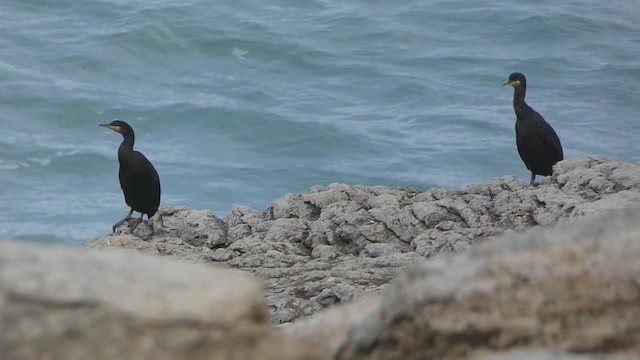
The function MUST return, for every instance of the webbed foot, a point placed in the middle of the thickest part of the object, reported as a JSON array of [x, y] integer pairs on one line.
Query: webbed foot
[[118, 224], [132, 222]]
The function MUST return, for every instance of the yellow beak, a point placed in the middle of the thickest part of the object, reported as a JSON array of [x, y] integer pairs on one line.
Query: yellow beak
[[112, 127], [512, 83]]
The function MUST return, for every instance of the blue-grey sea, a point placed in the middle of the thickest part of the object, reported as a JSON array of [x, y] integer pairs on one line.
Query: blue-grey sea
[[240, 102]]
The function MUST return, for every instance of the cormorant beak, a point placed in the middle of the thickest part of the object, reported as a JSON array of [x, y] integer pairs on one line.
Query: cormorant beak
[[512, 83], [115, 128]]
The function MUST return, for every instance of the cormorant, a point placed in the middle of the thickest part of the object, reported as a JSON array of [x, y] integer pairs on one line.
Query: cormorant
[[139, 180], [538, 145]]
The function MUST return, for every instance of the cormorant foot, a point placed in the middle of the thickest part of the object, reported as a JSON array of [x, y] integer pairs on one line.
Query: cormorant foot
[[118, 224], [534, 184], [131, 221]]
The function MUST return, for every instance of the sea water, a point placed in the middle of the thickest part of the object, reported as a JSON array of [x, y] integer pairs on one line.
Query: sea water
[[239, 102]]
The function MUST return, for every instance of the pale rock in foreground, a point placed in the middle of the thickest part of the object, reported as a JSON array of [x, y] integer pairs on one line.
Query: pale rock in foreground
[[337, 243], [571, 292], [65, 303]]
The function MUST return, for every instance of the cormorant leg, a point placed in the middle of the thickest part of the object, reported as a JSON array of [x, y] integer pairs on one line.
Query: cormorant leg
[[129, 215], [533, 179]]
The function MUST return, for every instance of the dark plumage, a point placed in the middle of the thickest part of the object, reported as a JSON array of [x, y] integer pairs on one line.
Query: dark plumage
[[538, 144], [139, 180]]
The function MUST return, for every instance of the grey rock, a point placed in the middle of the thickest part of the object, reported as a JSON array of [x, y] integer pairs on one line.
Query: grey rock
[[195, 227], [550, 354], [327, 252], [360, 237], [571, 292], [330, 328], [65, 303]]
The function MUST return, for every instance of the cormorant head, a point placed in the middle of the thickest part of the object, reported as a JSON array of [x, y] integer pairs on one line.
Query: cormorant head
[[516, 80], [121, 127]]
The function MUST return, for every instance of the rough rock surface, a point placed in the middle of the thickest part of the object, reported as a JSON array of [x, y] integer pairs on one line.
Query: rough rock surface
[[65, 303], [571, 292], [339, 242]]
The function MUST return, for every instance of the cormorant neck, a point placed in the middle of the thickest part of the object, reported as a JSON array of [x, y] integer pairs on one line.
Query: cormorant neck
[[126, 146], [518, 99]]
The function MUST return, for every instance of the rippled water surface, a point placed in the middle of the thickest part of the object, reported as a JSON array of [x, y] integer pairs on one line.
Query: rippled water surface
[[243, 101]]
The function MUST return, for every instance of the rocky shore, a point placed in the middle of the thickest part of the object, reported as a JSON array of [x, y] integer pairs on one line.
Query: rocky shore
[[435, 274]]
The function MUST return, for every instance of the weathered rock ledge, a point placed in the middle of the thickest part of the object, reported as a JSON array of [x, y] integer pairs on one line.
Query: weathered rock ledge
[[65, 303], [571, 292], [337, 243]]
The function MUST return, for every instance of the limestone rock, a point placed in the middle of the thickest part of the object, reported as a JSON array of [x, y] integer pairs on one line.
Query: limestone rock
[[567, 293], [549, 354], [339, 242], [64, 303]]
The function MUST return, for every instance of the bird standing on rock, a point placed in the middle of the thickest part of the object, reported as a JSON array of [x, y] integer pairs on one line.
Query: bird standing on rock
[[139, 180], [538, 144]]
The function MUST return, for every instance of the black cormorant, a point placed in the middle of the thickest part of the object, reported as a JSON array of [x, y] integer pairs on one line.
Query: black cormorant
[[538, 145], [139, 180]]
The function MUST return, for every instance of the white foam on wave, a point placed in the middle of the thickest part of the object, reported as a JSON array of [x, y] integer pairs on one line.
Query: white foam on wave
[[5, 165], [40, 161], [239, 53]]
